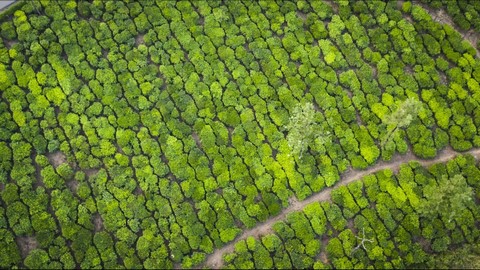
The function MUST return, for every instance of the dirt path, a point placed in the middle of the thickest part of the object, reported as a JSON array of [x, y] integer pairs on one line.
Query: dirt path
[[215, 260], [439, 15]]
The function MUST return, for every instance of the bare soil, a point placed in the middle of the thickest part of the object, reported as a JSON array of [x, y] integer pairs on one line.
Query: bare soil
[[105, 53], [57, 158], [439, 15], [38, 176], [333, 4], [138, 191], [443, 78], [73, 186], [26, 244], [302, 15], [230, 133], [139, 40], [409, 19], [197, 140], [91, 172], [119, 149], [408, 70], [9, 43], [350, 225], [358, 118], [97, 222], [215, 260], [324, 257]]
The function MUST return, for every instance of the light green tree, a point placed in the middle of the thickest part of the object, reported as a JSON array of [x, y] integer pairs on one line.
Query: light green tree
[[402, 117], [303, 129], [447, 199]]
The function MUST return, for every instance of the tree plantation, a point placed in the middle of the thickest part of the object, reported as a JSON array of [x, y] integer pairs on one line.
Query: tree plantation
[[240, 134]]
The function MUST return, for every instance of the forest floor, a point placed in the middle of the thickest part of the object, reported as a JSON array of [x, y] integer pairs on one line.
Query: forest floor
[[215, 260], [57, 158]]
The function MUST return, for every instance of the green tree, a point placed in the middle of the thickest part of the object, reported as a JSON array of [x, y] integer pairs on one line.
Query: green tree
[[10, 254], [37, 259], [447, 199], [362, 239], [303, 129], [406, 112], [467, 257]]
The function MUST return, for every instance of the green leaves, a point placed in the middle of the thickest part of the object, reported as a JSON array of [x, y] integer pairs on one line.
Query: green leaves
[[301, 128], [199, 114], [37, 259], [404, 114], [448, 199], [402, 117]]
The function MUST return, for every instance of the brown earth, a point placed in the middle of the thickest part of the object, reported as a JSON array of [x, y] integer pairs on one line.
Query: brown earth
[[73, 186], [26, 244], [197, 140], [57, 158], [139, 40], [10, 43], [97, 222], [91, 172], [138, 191]]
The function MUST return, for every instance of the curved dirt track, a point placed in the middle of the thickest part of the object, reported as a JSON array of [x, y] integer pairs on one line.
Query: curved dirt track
[[215, 260], [439, 15]]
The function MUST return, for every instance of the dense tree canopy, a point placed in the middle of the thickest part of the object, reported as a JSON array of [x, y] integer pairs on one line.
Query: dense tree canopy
[[150, 134]]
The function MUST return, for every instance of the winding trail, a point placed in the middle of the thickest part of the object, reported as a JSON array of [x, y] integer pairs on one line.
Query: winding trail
[[215, 260], [439, 15]]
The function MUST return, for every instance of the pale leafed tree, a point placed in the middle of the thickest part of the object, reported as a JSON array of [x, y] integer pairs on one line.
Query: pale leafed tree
[[447, 199], [302, 129], [402, 117]]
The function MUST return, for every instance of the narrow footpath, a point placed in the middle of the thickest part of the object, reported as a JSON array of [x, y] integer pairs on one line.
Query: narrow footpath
[[215, 260]]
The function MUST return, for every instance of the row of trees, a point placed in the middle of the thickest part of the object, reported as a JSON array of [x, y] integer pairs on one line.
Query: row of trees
[[463, 13], [384, 221], [143, 102]]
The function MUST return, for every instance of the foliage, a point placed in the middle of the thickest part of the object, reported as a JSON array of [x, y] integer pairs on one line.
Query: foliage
[[466, 257], [149, 134], [388, 231], [449, 198], [301, 128], [402, 117]]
